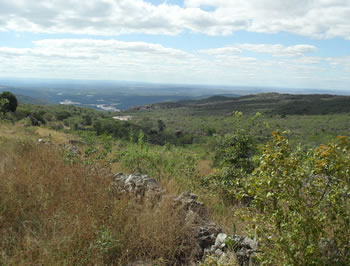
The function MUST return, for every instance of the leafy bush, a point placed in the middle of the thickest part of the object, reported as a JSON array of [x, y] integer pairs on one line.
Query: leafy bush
[[300, 210], [61, 115], [234, 156]]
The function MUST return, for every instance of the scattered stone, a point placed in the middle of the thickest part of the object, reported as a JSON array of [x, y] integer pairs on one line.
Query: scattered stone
[[241, 249], [210, 241], [188, 202]]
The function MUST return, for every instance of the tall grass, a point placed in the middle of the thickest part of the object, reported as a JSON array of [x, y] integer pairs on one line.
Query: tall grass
[[53, 213]]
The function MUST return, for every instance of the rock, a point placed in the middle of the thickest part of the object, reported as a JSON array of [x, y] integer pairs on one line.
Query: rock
[[196, 213], [242, 250], [250, 243], [188, 202], [221, 240], [218, 252], [207, 235], [228, 258], [140, 186]]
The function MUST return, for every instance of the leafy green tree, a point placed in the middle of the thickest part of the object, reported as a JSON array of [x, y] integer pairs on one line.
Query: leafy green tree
[[8, 102]]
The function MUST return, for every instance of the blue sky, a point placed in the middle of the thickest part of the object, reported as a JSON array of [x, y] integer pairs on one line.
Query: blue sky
[[219, 42]]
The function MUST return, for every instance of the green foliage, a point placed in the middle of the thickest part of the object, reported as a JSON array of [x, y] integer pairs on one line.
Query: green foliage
[[107, 245], [87, 119], [62, 115], [98, 147], [4, 103], [160, 162], [161, 125], [8, 102], [234, 157], [300, 209]]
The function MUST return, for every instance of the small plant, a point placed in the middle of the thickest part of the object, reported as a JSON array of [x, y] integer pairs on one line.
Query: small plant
[[108, 246], [234, 157]]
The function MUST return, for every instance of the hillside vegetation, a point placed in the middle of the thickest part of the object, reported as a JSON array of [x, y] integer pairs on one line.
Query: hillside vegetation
[[311, 119], [287, 189]]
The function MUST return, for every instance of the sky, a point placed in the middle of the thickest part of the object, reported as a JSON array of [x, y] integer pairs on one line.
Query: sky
[[268, 43]]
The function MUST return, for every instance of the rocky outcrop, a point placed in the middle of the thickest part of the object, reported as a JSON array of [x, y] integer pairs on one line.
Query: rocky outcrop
[[210, 241], [196, 213], [139, 186]]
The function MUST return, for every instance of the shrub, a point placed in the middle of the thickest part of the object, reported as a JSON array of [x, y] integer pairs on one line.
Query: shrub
[[300, 210], [234, 154], [160, 162]]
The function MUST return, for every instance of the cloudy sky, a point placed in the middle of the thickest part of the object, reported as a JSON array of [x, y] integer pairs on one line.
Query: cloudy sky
[[281, 43]]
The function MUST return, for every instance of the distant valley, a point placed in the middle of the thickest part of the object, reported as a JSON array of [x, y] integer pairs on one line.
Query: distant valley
[[114, 96]]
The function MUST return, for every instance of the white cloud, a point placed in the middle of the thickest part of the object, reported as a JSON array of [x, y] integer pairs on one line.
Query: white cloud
[[222, 51], [341, 62], [141, 61], [273, 49], [319, 19], [106, 46], [96, 59]]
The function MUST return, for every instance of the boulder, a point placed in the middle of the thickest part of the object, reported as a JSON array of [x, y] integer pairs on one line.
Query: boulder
[[139, 186]]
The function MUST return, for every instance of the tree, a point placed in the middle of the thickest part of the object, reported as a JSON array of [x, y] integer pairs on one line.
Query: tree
[[8, 102]]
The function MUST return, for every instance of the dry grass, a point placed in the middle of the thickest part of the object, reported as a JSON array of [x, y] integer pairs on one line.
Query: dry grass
[[12, 131], [205, 167], [52, 213], [55, 136]]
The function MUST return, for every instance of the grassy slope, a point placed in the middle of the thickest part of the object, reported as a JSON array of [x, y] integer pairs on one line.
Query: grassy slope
[[55, 213]]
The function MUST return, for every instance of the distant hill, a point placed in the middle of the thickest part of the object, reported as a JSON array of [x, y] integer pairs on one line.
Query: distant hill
[[268, 103], [29, 100]]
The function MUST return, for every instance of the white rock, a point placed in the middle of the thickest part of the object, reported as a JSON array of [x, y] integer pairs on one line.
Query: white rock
[[220, 240]]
